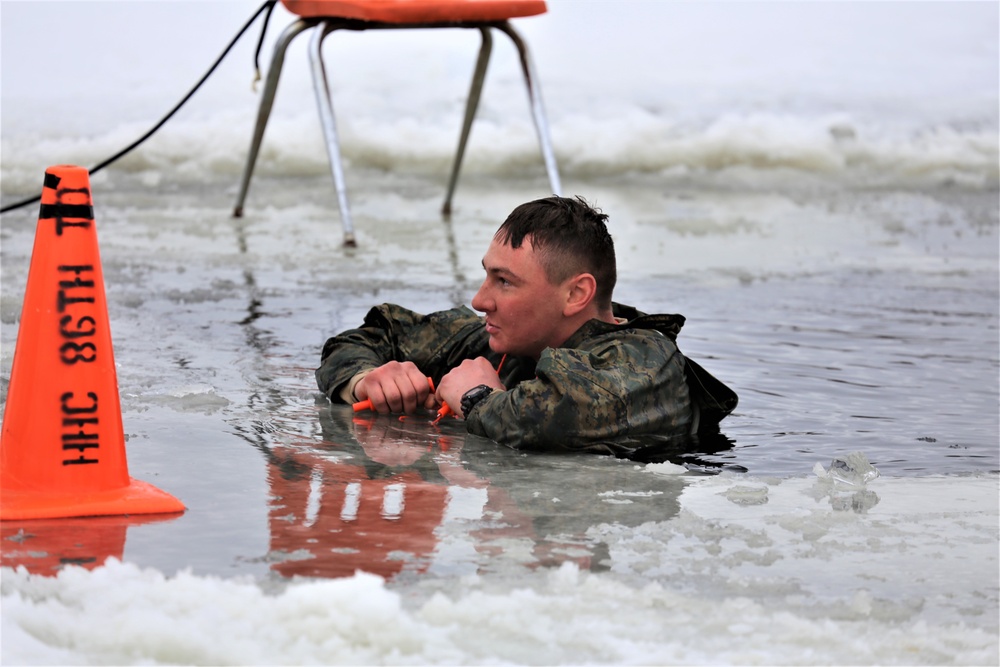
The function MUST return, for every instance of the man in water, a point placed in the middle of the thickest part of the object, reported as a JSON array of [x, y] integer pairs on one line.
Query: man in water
[[553, 364]]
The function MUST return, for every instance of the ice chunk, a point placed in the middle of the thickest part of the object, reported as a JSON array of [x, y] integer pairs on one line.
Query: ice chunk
[[190, 398], [666, 468], [853, 469], [747, 495]]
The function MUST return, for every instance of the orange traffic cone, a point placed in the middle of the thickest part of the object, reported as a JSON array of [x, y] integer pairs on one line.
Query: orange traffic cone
[[62, 449]]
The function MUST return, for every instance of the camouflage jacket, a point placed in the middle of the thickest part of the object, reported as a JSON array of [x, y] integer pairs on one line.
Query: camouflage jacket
[[606, 383]]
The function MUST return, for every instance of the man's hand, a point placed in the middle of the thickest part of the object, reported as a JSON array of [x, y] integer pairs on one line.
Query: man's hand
[[396, 387], [470, 373]]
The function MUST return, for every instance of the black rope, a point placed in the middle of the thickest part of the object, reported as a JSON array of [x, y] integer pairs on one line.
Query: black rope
[[260, 41], [268, 5]]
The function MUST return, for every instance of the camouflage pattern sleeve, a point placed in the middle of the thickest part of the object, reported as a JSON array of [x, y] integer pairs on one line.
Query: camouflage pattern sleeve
[[435, 343], [620, 384]]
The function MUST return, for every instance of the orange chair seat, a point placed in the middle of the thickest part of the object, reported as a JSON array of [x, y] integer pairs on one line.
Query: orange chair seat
[[416, 11]]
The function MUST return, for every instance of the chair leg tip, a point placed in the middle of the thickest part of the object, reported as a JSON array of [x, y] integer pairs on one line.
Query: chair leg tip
[[350, 241], [238, 212]]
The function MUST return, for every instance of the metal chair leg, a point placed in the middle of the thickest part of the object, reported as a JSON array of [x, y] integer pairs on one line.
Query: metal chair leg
[[537, 109], [266, 102], [325, 105], [470, 113]]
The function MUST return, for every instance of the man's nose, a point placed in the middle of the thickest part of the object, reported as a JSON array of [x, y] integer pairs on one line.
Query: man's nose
[[480, 301]]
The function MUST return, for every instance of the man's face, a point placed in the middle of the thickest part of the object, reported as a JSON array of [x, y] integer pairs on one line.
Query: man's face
[[524, 311]]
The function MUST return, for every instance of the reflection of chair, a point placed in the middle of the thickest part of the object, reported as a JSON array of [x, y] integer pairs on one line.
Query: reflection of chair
[[396, 14]]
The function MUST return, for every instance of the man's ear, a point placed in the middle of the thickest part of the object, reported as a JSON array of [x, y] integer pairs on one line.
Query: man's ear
[[580, 292]]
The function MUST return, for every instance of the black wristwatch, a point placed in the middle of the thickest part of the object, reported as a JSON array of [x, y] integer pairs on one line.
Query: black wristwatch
[[474, 397]]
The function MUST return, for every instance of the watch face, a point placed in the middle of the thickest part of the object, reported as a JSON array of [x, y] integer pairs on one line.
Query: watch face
[[472, 397]]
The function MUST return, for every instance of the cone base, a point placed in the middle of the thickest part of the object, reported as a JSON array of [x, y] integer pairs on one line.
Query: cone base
[[137, 497]]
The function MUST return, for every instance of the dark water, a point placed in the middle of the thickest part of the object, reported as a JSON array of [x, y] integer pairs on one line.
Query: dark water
[[887, 364]]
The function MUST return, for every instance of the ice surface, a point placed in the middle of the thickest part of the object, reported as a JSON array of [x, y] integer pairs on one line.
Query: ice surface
[[720, 582]]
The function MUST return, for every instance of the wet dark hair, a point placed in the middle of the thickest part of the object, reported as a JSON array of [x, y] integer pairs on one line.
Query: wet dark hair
[[570, 237]]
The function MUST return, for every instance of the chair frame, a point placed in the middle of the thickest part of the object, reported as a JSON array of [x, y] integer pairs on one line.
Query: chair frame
[[323, 27]]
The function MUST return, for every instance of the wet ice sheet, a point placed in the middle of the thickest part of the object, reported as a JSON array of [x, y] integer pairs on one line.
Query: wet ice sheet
[[885, 345], [747, 570], [217, 325]]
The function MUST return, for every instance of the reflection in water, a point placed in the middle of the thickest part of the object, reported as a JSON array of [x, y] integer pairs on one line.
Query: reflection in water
[[45, 546], [698, 452], [329, 517], [395, 497]]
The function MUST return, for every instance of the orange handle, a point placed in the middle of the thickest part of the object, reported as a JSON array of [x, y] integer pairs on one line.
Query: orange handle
[[367, 404], [443, 412]]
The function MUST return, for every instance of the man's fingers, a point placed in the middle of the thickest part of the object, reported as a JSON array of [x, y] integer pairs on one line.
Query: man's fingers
[[422, 395], [405, 397], [380, 402], [397, 387]]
